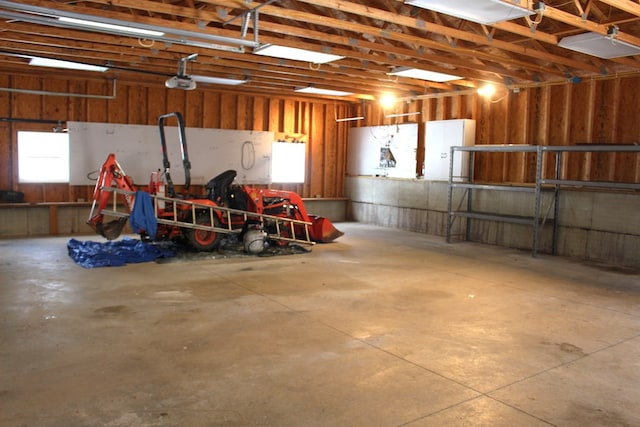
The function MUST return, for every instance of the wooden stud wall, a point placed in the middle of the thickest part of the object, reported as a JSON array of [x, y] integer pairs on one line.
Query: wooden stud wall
[[140, 104], [597, 111]]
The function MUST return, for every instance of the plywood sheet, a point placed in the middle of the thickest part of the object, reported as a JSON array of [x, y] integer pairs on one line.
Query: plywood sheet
[[138, 150], [383, 150]]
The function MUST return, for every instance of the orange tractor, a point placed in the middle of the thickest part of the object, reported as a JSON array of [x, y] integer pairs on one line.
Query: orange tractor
[[200, 220]]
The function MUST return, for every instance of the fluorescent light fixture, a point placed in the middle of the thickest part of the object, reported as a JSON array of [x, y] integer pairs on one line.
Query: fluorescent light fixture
[[595, 44], [105, 26], [285, 52], [70, 65], [219, 80], [389, 116], [66, 19], [350, 119], [318, 91], [480, 11], [416, 73]]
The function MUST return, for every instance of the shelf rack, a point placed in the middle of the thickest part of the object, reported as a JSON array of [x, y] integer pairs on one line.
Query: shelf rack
[[536, 220]]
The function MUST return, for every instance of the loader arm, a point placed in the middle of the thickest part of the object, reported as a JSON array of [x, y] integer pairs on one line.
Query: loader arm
[[111, 175], [321, 230], [291, 197]]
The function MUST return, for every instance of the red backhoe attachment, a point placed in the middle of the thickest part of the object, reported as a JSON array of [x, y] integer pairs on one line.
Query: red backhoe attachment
[[111, 175]]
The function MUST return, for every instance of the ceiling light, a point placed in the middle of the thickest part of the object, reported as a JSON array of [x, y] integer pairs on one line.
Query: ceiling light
[[595, 44], [416, 73], [78, 21], [318, 91], [113, 27], [480, 11], [387, 100], [285, 52], [219, 80], [57, 63], [487, 90]]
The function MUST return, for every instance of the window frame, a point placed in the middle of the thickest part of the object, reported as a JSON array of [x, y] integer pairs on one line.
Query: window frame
[[295, 160], [58, 160]]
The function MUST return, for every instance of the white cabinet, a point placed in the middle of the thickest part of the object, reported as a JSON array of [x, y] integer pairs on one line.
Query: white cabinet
[[440, 136]]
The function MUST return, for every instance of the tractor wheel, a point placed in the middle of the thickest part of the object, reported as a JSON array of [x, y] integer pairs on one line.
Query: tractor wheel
[[203, 240]]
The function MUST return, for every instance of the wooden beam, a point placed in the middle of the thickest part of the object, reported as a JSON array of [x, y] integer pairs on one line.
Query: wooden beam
[[632, 7], [369, 12], [408, 21], [580, 22]]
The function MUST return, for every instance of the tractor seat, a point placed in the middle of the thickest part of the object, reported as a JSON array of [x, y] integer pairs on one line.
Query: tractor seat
[[218, 187]]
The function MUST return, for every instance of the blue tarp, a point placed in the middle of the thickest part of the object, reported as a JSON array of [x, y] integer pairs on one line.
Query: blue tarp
[[114, 253], [142, 215]]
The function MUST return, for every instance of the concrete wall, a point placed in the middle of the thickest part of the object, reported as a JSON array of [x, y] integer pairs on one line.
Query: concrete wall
[[593, 225], [42, 219], [333, 208]]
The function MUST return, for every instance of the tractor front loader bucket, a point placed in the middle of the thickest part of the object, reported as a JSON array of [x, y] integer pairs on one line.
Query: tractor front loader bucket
[[322, 230]]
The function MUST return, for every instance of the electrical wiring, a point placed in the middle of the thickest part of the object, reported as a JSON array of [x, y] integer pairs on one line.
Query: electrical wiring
[[249, 153], [146, 43]]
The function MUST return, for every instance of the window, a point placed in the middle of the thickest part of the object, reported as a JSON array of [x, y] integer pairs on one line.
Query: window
[[287, 162], [43, 157]]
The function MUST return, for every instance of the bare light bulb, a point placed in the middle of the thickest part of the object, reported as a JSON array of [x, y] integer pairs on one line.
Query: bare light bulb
[[487, 90], [387, 100]]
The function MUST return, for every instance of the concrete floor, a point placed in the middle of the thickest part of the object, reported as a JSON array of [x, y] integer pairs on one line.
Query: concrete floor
[[381, 328]]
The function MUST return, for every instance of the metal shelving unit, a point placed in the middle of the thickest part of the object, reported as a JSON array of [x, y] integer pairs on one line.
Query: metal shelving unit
[[536, 219]]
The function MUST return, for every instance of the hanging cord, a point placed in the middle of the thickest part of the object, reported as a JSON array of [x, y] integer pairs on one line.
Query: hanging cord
[[495, 101], [93, 175], [539, 15], [248, 155], [146, 43]]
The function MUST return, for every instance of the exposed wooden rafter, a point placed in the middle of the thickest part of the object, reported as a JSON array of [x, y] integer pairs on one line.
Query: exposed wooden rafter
[[373, 37]]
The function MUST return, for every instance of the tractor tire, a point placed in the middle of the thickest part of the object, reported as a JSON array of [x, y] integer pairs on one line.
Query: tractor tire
[[203, 240]]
